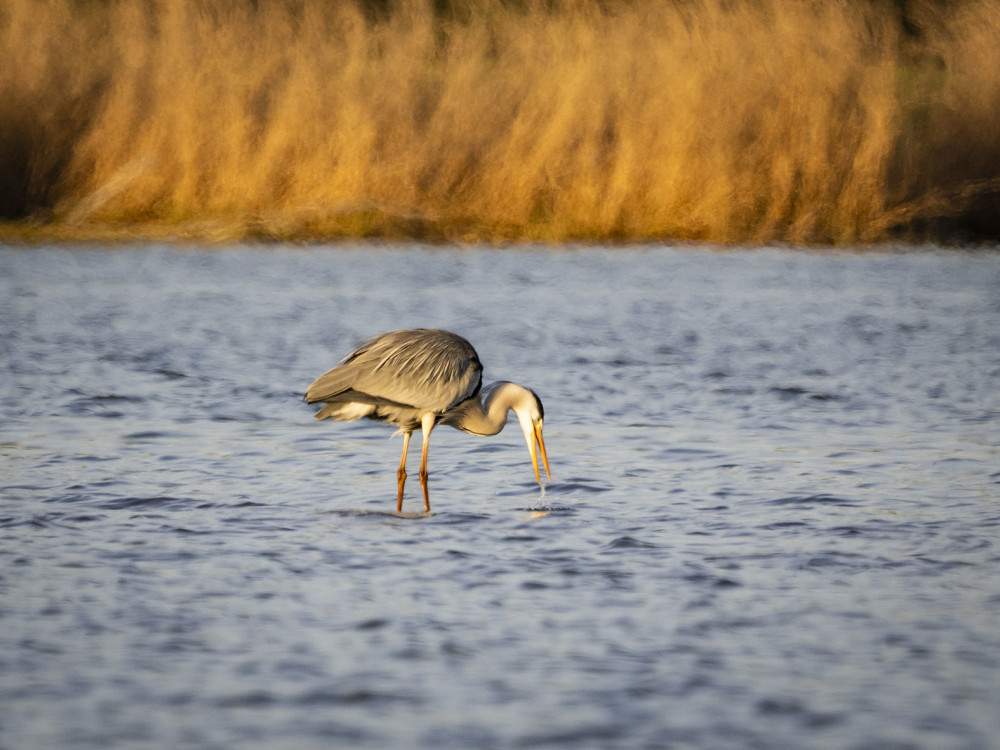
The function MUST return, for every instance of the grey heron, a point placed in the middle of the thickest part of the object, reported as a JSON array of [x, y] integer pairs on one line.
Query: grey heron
[[419, 379]]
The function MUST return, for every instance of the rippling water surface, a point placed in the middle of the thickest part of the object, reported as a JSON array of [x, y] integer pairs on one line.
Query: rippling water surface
[[773, 520]]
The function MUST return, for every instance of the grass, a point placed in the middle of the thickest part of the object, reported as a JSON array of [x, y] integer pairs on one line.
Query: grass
[[726, 121]]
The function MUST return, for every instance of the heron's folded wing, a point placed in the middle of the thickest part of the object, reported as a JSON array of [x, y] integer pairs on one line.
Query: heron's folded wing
[[432, 370], [328, 385], [425, 369]]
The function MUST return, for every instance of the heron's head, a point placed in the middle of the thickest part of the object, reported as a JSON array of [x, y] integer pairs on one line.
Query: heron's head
[[530, 414]]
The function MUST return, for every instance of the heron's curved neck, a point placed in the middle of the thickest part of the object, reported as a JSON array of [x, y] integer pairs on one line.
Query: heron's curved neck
[[487, 414]]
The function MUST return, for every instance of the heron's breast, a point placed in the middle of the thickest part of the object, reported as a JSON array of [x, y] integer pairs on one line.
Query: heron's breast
[[345, 412]]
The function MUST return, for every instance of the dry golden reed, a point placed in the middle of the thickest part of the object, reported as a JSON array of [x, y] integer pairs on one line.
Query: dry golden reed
[[807, 121]]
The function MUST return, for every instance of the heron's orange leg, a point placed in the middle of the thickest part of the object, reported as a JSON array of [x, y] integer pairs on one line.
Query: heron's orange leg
[[401, 474], [423, 480], [426, 425]]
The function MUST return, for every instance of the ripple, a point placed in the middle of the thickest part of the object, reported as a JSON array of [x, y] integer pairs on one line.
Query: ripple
[[148, 436], [809, 500], [158, 501], [581, 484], [545, 509], [364, 513], [628, 542], [251, 699], [355, 697]]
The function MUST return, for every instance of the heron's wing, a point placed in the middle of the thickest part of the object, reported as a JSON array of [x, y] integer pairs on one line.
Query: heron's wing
[[425, 369], [339, 382]]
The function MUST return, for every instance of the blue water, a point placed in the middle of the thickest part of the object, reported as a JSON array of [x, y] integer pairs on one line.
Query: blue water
[[773, 520]]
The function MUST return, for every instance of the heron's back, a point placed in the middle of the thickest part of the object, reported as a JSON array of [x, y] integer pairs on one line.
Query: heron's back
[[398, 376]]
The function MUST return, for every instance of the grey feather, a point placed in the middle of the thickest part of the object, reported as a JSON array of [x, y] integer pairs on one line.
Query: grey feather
[[403, 375]]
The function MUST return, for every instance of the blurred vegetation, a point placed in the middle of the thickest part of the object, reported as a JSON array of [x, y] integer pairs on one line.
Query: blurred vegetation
[[803, 121]]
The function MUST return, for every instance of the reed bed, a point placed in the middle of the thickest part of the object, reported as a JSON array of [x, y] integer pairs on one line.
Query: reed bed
[[608, 120]]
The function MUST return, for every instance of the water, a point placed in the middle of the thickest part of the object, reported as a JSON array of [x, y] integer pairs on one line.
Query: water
[[773, 521]]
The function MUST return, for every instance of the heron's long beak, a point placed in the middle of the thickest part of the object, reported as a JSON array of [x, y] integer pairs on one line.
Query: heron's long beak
[[536, 435]]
